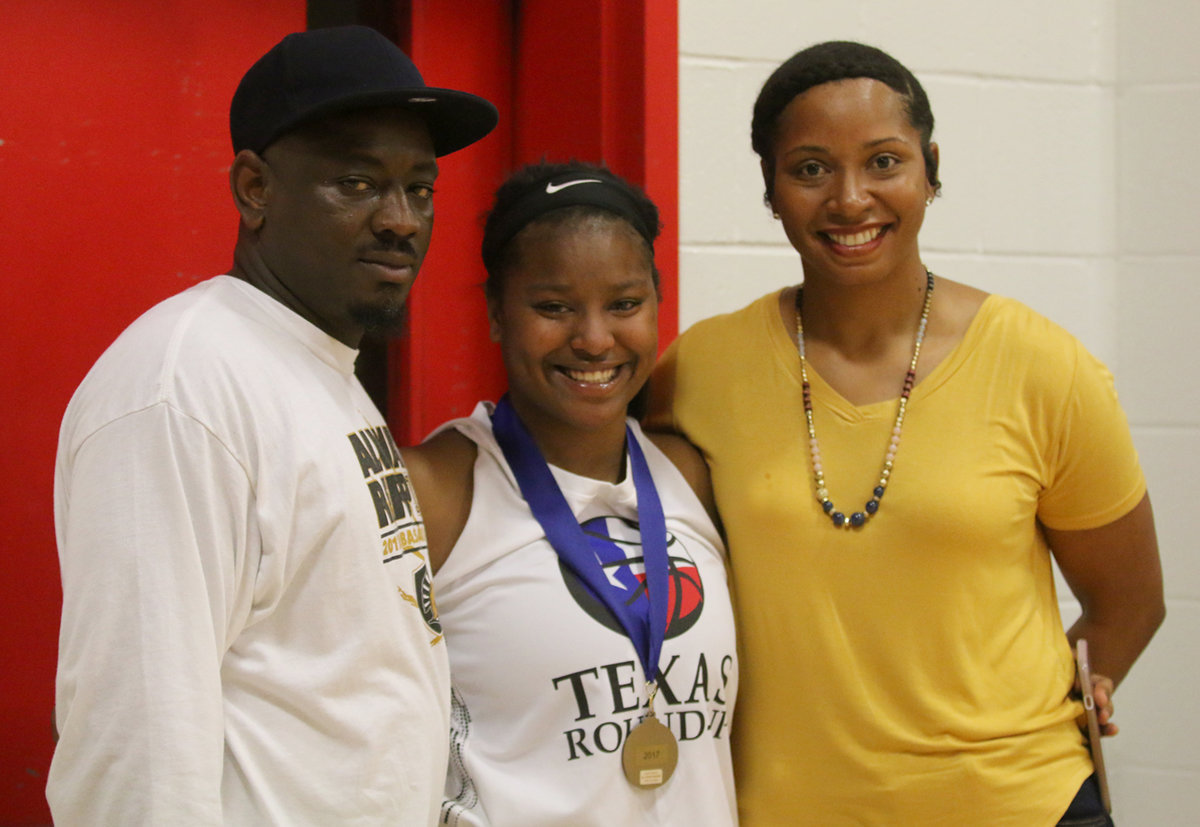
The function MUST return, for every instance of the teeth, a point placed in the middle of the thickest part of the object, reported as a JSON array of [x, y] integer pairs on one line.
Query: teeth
[[595, 377], [857, 238]]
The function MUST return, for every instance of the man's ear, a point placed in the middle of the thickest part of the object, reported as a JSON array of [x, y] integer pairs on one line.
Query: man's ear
[[248, 182]]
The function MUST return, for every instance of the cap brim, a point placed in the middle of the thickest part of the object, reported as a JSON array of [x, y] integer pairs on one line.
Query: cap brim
[[455, 119]]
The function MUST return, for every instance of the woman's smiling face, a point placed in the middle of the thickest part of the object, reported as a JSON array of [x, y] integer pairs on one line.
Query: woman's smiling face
[[577, 322], [850, 184]]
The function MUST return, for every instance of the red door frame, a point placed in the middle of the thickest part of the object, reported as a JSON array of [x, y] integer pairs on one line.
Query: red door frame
[[595, 80]]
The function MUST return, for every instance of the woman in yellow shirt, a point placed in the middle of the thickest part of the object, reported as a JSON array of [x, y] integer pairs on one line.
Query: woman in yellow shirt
[[896, 458]]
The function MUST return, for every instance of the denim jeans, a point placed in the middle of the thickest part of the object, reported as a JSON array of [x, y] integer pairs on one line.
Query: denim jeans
[[1087, 810]]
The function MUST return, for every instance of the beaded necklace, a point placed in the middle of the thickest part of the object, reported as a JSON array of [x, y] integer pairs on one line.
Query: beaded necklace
[[859, 518]]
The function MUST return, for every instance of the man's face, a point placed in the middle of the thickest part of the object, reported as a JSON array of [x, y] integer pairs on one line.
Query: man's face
[[347, 217]]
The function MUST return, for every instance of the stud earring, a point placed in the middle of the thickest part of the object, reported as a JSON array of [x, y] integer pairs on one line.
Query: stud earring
[[775, 215], [929, 201]]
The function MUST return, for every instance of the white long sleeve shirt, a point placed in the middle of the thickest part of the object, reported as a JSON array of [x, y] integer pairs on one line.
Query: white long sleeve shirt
[[248, 633]]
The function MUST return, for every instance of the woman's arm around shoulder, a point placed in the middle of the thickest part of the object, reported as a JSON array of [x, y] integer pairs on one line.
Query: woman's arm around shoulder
[[691, 464], [442, 471]]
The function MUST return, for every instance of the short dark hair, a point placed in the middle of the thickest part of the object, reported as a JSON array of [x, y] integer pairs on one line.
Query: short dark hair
[[511, 208], [825, 63]]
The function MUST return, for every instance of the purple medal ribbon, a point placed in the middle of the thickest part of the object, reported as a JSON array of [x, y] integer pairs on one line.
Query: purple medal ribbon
[[646, 629]]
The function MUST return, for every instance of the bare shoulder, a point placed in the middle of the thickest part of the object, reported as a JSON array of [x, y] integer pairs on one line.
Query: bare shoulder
[[957, 305], [691, 464], [687, 457], [446, 450], [442, 470]]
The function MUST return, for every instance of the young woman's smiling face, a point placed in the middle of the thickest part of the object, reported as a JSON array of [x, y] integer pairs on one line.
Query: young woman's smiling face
[[850, 184], [577, 323]]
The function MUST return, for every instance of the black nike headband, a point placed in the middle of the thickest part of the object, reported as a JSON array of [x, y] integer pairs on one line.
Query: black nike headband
[[576, 189]]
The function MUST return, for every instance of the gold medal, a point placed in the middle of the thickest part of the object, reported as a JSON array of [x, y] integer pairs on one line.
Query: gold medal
[[650, 752]]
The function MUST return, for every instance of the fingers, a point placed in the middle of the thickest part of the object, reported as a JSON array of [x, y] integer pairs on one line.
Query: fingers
[[1102, 692]]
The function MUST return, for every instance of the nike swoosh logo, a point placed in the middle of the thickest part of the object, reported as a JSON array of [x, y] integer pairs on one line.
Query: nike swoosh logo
[[553, 188]]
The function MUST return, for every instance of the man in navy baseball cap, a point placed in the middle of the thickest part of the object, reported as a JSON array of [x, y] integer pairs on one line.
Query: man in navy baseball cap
[[249, 631], [315, 74], [319, 103]]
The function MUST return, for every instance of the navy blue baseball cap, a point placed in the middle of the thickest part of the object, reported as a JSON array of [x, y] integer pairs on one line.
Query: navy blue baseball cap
[[314, 74]]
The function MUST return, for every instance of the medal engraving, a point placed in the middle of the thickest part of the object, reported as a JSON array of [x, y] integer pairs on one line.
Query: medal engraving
[[650, 754]]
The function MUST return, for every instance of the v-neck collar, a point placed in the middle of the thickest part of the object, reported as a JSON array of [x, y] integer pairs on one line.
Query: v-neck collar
[[785, 352]]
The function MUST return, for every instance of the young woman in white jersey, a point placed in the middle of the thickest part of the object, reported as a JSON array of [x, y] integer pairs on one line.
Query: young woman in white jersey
[[579, 580]]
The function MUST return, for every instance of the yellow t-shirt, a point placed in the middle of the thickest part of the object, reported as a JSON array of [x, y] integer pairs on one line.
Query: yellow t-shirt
[[913, 672]]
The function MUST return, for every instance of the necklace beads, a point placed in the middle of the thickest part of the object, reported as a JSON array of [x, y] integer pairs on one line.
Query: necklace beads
[[858, 519]]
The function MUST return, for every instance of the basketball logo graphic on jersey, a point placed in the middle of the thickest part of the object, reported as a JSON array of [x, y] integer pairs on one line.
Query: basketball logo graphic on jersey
[[621, 558]]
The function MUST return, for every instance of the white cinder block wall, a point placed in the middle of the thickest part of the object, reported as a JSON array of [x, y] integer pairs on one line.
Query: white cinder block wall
[[1068, 133]]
